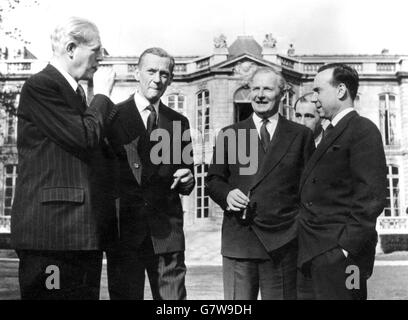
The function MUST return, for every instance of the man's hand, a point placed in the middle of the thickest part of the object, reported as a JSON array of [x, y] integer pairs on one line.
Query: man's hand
[[183, 180], [103, 80], [237, 200]]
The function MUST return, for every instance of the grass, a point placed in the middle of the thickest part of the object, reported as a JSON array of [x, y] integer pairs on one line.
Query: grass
[[205, 283]]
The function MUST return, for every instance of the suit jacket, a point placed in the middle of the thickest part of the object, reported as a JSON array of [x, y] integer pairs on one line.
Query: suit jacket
[[63, 198], [274, 188], [343, 191], [148, 208]]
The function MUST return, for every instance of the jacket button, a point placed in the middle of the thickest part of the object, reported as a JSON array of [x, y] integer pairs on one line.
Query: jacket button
[[136, 165], [314, 180], [310, 204]]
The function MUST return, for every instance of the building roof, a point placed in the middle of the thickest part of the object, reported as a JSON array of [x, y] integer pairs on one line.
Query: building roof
[[245, 44]]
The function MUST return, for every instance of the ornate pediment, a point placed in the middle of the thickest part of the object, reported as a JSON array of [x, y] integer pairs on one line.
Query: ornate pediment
[[245, 65]]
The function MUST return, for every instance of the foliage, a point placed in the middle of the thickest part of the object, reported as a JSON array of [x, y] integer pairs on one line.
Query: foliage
[[394, 242]]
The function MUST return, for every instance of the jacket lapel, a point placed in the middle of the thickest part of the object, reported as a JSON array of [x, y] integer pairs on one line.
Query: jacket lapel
[[325, 144], [133, 126], [278, 147], [70, 95]]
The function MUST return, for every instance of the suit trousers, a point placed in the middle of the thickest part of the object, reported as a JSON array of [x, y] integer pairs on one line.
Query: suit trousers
[[275, 278], [332, 276], [126, 273], [59, 275]]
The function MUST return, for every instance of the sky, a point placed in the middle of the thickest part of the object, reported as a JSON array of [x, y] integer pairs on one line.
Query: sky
[[187, 27]]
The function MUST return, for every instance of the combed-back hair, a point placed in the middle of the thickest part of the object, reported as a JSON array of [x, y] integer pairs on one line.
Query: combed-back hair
[[78, 30], [158, 52], [342, 73]]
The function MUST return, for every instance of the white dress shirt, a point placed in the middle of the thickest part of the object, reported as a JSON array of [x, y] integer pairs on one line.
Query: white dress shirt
[[142, 103], [73, 83], [341, 115], [270, 126]]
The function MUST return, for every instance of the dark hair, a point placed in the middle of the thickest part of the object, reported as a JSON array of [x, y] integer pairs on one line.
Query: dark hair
[[343, 73], [305, 98], [158, 52]]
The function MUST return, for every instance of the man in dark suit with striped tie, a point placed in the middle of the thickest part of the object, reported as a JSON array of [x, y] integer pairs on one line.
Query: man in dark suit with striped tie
[[343, 191], [259, 230], [151, 180], [63, 211]]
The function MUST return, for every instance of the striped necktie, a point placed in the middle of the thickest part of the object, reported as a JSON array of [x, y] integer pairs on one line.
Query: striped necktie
[[81, 93], [265, 137], [151, 120]]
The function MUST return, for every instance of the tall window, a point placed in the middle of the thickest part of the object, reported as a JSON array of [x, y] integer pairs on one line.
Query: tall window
[[388, 119], [11, 129], [287, 105], [392, 207], [203, 114], [202, 197], [177, 102], [10, 175]]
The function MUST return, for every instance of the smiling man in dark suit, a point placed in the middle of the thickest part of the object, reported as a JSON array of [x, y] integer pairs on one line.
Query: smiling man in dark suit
[[63, 210], [260, 197], [343, 191], [152, 178]]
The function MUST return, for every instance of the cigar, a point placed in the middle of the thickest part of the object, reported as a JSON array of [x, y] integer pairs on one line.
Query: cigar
[[244, 214]]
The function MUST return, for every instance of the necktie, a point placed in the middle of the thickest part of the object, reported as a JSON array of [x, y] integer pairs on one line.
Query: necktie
[[327, 131], [81, 93], [265, 137], [151, 120]]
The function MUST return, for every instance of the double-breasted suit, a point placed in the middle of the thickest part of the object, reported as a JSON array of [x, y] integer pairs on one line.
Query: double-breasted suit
[[64, 200]]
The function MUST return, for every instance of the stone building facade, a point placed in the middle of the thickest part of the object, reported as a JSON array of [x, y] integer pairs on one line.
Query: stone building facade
[[212, 92]]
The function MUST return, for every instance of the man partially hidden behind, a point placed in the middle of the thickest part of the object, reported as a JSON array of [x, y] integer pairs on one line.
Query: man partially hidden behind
[[306, 114], [63, 211], [152, 177], [343, 191], [259, 229]]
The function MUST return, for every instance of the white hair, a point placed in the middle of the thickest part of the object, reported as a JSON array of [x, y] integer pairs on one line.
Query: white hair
[[78, 30]]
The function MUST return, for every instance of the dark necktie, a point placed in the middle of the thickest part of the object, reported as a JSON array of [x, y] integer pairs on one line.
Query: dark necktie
[[151, 120], [81, 93], [265, 137], [327, 131]]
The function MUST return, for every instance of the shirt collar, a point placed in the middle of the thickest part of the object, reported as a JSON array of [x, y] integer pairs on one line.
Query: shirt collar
[[72, 82], [142, 103], [341, 115], [258, 119]]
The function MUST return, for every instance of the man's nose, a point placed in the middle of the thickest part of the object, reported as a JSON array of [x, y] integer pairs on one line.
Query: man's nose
[[314, 97], [156, 77], [302, 120]]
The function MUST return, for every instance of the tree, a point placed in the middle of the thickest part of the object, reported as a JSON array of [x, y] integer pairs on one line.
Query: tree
[[7, 7]]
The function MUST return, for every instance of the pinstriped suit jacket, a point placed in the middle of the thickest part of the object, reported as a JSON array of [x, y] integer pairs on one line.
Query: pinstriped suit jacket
[[63, 198], [147, 205]]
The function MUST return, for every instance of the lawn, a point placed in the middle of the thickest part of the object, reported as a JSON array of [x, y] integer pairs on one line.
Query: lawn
[[205, 282]]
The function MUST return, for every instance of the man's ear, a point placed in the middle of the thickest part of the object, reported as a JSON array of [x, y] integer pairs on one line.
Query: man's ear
[[137, 74], [170, 79], [70, 48], [341, 91]]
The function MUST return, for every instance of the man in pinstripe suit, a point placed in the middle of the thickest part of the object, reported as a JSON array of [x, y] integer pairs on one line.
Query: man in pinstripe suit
[[151, 215], [63, 211]]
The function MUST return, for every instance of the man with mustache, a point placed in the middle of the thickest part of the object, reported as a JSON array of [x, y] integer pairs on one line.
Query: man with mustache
[[259, 229], [64, 211], [151, 237]]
